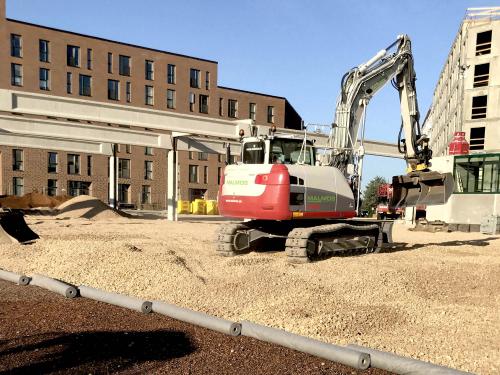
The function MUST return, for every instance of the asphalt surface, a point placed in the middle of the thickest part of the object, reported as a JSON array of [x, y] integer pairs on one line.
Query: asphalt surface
[[42, 332]]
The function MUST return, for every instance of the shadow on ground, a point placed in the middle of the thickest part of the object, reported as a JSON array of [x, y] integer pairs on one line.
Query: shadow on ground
[[404, 246], [90, 352]]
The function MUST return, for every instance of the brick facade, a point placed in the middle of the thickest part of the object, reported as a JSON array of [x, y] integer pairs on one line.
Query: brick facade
[[99, 59]]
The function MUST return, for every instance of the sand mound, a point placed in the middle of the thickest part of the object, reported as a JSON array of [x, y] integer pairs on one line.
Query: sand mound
[[87, 207]]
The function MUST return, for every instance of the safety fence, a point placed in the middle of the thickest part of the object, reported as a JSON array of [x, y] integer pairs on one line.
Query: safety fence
[[356, 356]]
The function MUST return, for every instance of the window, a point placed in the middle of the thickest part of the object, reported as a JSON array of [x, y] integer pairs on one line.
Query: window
[[85, 85], [270, 114], [252, 110], [193, 174], [89, 165], [51, 187], [207, 80], [52, 162], [128, 149], [18, 186], [123, 168], [220, 158], [124, 65], [171, 74], [73, 164], [149, 70], [148, 151], [481, 75], [221, 107], [73, 56], [191, 155], [43, 47], [254, 152], [203, 103], [113, 89], [44, 79], [219, 175], [483, 43], [148, 170], [202, 155], [171, 99], [149, 95], [76, 188], [192, 99], [16, 48], [110, 62], [69, 82], [129, 92], [16, 74], [477, 138], [146, 194], [479, 106], [17, 160], [232, 108], [194, 78], [477, 174], [205, 174], [123, 193], [89, 58]]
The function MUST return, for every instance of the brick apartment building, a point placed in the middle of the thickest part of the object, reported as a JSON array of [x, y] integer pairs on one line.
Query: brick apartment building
[[51, 62]]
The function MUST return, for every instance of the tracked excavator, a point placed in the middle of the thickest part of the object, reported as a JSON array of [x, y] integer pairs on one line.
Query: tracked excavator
[[307, 198]]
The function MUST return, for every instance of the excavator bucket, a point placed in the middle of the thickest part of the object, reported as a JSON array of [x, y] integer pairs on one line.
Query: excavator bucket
[[427, 188], [13, 229]]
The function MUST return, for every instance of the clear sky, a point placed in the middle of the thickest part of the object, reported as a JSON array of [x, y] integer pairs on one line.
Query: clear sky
[[293, 48]]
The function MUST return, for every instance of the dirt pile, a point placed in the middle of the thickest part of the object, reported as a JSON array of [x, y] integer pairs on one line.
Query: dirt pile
[[31, 200], [87, 207]]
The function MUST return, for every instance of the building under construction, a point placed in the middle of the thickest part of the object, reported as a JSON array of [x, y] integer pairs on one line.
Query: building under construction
[[467, 100]]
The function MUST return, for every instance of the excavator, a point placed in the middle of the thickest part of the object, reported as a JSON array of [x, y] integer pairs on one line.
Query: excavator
[[308, 198]]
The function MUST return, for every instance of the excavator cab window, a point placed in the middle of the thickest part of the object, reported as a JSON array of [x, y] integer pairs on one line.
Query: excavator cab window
[[253, 152], [291, 151]]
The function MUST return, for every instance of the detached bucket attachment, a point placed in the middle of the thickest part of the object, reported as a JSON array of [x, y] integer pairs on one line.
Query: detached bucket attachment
[[14, 229], [427, 188]]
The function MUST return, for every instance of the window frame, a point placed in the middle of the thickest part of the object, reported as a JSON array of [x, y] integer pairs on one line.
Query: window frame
[[15, 78], [486, 160], [171, 74], [75, 162], [194, 78], [16, 50], [17, 163], [15, 186], [43, 55], [148, 170], [123, 172], [148, 96], [83, 90], [122, 69], [149, 70], [115, 89], [232, 111], [203, 103], [71, 59], [193, 178], [47, 79], [53, 165], [170, 99]]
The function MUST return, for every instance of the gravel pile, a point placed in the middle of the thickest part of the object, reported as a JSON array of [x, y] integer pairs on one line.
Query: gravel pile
[[435, 297], [87, 207]]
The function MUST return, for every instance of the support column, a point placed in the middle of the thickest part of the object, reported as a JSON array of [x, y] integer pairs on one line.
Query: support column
[[172, 185], [112, 178]]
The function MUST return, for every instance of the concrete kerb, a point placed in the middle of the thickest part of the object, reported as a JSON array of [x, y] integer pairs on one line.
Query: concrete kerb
[[115, 299], [403, 365], [307, 345], [352, 355], [54, 285], [14, 277]]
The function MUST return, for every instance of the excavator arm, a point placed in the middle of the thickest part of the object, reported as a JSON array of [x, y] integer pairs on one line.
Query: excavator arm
[[358, 86]]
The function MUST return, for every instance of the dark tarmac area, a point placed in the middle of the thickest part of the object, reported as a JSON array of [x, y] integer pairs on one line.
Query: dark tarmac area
[[44, 333]]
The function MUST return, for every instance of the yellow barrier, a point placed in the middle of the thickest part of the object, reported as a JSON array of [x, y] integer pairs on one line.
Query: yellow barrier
[[183, 207], [212, 208], [199, 207]]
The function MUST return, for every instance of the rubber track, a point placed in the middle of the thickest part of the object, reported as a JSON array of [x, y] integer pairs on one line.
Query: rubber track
[[298, 239], [224, 238]]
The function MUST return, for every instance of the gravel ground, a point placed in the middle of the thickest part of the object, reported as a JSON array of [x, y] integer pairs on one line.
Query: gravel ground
[[433, 297], [41, 332]]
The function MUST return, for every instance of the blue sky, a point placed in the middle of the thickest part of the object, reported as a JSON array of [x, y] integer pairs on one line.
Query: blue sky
[[292, 48]]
